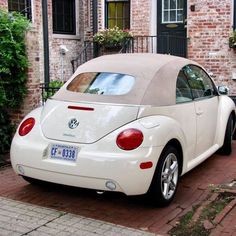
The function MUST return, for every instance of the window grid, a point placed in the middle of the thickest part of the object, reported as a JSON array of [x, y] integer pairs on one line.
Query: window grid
[[121, 20], [22, 6], [167, 10], [64, 17]]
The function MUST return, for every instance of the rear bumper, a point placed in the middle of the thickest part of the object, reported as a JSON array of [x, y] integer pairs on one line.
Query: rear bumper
[[97, 165]]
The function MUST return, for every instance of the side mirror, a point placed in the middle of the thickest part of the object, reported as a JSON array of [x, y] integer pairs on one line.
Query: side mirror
[[223, 90]]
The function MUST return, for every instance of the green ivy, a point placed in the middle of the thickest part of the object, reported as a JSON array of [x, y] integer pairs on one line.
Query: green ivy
[[13, 69]]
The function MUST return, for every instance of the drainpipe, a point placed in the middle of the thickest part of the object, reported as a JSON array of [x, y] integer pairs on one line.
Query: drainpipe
[[95, 26], [95, 16], [45, 41]]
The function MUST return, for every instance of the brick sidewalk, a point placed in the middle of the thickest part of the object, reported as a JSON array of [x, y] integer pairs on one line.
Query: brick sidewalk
[[119, 209], [18, 219]]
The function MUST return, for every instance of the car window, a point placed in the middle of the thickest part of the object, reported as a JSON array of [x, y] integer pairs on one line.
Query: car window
[[183, 91], [102, 83], [199, 81]]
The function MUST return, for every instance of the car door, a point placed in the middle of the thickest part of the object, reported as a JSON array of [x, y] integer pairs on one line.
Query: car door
[[206, 107], [185, 114]]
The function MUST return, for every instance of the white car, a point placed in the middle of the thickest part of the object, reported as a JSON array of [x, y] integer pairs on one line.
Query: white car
[[130, 123]]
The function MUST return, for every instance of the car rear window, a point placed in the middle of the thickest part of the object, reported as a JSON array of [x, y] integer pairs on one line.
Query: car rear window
[[102, 83]]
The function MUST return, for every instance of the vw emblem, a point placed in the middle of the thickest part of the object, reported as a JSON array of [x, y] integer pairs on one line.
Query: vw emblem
[[73, 123]]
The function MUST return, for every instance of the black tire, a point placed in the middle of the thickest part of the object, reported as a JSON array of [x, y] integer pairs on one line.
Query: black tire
[[162, 181], [226, 149]]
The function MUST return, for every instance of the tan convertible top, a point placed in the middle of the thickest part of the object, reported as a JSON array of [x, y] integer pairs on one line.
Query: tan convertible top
[[155, 75]]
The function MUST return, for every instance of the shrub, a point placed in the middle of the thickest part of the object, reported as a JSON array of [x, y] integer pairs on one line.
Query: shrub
[[13, 70]]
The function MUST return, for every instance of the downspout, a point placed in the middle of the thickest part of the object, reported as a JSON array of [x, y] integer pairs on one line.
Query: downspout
[[45, 41], [95, 26], [95, 16]]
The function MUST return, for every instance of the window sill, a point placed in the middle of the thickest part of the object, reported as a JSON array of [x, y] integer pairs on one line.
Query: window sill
[[66, 36]]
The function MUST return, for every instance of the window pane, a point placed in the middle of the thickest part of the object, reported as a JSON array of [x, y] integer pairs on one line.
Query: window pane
[[102, 83], [166, 19], [111, 23], [172, 4], [119, 9], [201, 84], [111, 10], [126, 24], [179, 15], [119, 23], [180, 4], [172, 16], [126, 10], [165, 3], [183, 91]]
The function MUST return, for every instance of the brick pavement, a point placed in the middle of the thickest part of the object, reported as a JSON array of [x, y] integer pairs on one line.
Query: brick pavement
[[119, 209], [18, 219]]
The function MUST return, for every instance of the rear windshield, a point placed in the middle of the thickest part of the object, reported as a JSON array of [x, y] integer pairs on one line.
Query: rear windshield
[[102, 83]]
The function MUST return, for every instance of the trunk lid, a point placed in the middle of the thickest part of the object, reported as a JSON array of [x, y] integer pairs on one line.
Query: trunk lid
[[83, 122]]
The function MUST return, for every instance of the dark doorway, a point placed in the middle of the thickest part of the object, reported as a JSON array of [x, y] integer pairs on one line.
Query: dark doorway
[[171, 27]]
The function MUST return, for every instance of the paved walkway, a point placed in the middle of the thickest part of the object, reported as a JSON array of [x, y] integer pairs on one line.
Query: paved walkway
[[18, 219]]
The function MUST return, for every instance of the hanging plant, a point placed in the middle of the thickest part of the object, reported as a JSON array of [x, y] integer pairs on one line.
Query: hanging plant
[[111, 37]]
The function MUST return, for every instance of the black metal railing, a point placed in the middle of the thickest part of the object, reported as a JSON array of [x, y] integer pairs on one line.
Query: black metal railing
[[47, 91], [166, 44], [87, 52]]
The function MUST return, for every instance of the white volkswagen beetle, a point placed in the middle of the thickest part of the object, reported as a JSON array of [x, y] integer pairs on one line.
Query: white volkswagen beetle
[[130, 123]]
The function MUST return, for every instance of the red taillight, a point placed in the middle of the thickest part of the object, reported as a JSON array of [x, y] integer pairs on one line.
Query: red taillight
[[26, 126], [129, 139]]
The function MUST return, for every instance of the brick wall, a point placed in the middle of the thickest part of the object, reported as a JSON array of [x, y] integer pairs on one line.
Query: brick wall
[[3, 3], [209, 27], [140, 17]]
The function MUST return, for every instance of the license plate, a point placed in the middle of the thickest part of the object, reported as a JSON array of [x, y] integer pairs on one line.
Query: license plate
[[62, 152]]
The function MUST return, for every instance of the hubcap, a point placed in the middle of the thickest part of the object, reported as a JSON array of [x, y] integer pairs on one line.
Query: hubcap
[[169, 176]]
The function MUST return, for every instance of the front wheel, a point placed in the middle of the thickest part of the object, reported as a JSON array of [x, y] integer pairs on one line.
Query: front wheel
[[165, 180]]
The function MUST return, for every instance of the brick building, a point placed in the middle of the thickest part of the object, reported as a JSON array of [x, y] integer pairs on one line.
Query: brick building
[[200, 27], [197, 29]]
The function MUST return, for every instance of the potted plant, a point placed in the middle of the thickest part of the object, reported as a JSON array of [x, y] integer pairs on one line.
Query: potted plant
[[112, 39], [232, 40]]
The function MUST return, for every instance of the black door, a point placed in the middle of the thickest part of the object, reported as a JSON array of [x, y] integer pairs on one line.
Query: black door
[[171, 27]]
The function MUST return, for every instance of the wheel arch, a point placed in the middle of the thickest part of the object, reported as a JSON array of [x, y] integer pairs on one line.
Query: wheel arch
[[176, 144], [227, 108]]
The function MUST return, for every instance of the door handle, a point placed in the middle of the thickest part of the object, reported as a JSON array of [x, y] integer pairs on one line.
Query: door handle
[[199, 112]]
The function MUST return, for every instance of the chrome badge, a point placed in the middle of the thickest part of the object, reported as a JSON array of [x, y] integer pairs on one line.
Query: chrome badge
[[73, 123]]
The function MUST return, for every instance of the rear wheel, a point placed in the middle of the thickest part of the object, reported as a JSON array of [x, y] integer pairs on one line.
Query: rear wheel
[[165, 180], [226, 149]]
